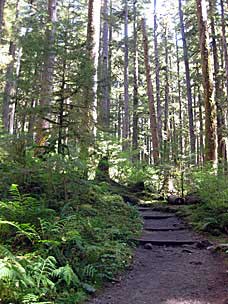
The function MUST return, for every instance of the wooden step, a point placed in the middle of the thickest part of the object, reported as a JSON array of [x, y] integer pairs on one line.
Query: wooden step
[[165, 242], [157, 216], [142, 209], [165, 229]]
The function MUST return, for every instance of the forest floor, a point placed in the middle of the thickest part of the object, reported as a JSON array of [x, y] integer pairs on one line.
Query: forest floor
[[171, 266]]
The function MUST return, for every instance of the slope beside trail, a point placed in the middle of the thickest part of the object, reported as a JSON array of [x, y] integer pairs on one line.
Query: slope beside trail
[[171, 266]]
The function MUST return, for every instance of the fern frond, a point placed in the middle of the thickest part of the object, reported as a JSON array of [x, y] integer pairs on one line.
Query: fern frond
[[67, 275]]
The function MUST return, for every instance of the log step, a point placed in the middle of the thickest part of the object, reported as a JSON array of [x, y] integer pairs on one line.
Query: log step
[[165, 229], [142, 209], [157, 217], [165, 242]]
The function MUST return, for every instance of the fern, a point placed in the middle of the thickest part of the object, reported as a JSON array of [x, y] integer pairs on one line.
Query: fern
[[49, 228], [42, 270], [89, 272], [67, 275], [33, 299], [24, 229], [15, 193]]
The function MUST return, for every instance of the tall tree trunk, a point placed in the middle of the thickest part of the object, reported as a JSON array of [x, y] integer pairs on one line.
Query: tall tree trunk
[[2, 4], [179, 99], [89, 108], [153, 120], [110, 57], [200, 105], [105, 66], [188, 83], [10, 86], [126, 80], [218, 92], [166, 118], [135, 93], [224, 43], [46, 93], [210, 108], [157, 75]]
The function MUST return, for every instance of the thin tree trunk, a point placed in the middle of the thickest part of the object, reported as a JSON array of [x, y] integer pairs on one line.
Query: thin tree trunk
[[210, 108], [126, 80], [8, 91], [188, 83], [135, 93], [166, 118], [224, 43], [157, 75], [2, 4], [201, 126], [105, 66], [110, 59], [179, 99], [153, 119]]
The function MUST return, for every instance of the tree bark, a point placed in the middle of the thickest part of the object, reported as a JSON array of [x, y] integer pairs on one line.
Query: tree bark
[[89, 109], [153, 119], [46, 92], [2, 4], [210, 108], [166, 118], [105, 67], [126, 80], [10, 86], [135, 93], [219, 96], [179, 100], [225, 50], [188, 84], [157, 75]]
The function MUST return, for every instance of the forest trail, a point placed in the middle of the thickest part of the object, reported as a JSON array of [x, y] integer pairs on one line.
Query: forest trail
[[170, 267]]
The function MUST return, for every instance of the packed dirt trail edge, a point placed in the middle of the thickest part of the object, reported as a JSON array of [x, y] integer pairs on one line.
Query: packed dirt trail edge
[[171, 266]]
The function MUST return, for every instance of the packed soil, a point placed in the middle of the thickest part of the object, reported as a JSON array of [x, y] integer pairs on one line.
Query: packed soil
[[164, 274]]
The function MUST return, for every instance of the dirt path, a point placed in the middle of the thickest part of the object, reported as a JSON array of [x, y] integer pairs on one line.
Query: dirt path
[[172, 270]]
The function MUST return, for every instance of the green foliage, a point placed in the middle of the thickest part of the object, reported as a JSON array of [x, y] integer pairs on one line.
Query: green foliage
[[64, 251], [212, 214]]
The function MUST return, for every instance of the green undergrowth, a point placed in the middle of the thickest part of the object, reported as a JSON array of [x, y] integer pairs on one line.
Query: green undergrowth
[[62, 252], [211, 215]]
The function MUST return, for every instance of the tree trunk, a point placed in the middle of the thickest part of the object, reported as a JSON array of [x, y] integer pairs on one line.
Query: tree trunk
[[126, 81], [188, 84], [89, 108], [224, 44], [46, 93], [135, 93], [179, 100], [218, 92], [8, 91], [166, 118], [10, 86], [105, 66], [157, 75], [210, 109], [153, 120], [2, 4]]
